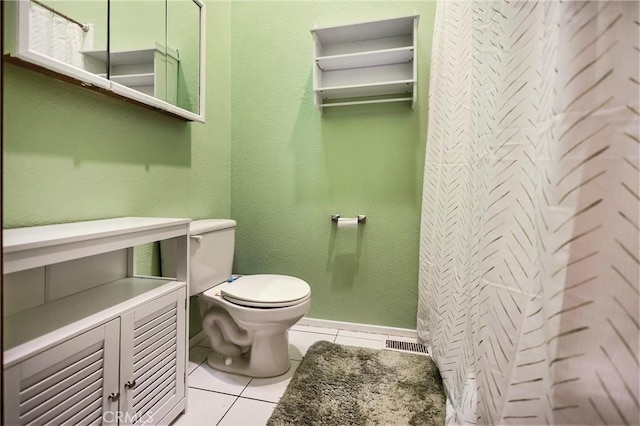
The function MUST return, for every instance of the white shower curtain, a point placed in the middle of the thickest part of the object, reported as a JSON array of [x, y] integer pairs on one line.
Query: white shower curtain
[[529, 265], [56, 37]]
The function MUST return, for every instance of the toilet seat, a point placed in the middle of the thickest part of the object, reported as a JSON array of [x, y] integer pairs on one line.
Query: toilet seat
[[251, 304], [263, 291]]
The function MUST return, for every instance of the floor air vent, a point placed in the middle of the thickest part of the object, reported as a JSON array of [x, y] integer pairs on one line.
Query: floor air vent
[[406, 346]]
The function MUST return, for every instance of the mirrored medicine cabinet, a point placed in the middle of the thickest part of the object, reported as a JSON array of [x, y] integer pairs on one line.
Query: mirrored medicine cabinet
[[148, 51]]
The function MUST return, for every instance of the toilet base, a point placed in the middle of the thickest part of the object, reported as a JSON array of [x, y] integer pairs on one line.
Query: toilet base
[[268, 357]]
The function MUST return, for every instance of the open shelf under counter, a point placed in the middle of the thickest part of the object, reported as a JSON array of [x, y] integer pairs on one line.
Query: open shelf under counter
[[41, 327]]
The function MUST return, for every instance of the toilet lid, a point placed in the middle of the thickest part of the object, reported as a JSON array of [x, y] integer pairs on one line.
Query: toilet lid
[[266, 290]]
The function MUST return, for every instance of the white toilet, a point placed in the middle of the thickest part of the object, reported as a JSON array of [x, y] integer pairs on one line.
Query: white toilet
[[247, 320]]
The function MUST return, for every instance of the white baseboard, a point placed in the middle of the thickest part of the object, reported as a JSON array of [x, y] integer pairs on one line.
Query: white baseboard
[[352, 326], [197, 338]]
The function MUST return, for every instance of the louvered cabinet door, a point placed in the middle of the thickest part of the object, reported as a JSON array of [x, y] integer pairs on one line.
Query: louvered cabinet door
[[153, 350], [70, 383]]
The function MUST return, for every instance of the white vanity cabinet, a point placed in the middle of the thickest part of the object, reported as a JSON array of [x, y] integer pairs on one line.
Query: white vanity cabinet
[[153, 358], [67, 383], [364, 63], [100, 344]]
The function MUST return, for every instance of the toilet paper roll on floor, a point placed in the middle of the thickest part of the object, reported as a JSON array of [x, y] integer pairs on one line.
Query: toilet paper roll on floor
[[347, 222]]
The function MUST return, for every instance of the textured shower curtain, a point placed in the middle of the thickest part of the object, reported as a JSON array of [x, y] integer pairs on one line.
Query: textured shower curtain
[[56, 37], [529, 265]]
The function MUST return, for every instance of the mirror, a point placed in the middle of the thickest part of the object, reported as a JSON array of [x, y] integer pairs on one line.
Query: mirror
[[137, 45], [184, 38], [150, 51]]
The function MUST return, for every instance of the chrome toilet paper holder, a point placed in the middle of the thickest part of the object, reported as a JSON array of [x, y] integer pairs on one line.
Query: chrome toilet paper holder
[[361, 218]]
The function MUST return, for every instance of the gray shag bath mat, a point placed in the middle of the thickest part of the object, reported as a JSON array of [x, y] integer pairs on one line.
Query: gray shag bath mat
[[342, 385]]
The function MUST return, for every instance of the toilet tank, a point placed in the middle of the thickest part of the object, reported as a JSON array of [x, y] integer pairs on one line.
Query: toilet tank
[[211, 246]]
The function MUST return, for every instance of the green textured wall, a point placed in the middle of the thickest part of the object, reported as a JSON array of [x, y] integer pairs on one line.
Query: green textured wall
[[71, 154], [292, 167]]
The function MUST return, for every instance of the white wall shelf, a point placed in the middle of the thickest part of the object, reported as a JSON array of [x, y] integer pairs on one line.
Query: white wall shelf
[[143, 70], [366, 59], [87, 336], [372, 89], [134, 80], [127, 57], [365, 62]]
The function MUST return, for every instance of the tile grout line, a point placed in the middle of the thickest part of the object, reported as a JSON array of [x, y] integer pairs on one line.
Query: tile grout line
[[317, 332], [246, 386], [234, 402], [198, 366], [259, 400], [213, 391], [314, 332], [228, 409], [363, 338]]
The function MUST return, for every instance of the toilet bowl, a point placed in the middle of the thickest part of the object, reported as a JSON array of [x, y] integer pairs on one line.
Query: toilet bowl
[[246, 318], [266, 324]]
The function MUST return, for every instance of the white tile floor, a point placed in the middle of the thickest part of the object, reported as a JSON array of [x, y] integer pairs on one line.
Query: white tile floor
[[217, 398]]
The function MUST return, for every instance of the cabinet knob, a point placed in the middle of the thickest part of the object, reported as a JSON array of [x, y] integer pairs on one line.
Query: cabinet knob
[[130, 384], [113, 396]]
